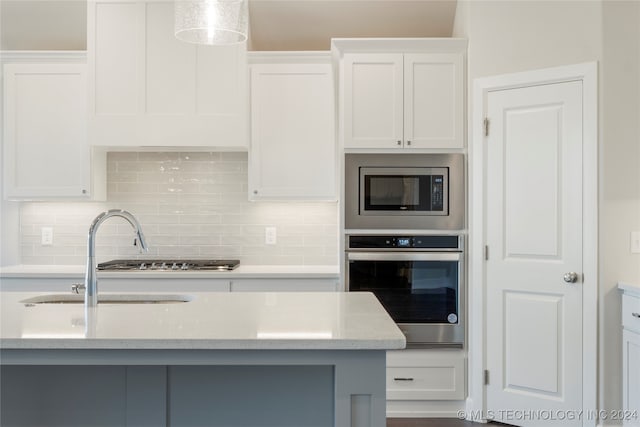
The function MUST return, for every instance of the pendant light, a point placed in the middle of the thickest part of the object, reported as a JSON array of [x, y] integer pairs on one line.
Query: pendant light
[[211, 22]]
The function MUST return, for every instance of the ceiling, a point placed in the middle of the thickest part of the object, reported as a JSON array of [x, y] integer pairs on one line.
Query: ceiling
[[274, 24]]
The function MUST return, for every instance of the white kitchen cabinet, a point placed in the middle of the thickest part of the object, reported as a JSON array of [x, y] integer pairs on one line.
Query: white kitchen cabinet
[[426, 382], [631, 358], [170, 284], [373, 100], [285, 285], [148, 89], [417, 374], [411, 96], [46, 153], [116, 284], [173, 284], [293, 145], [36, 284], [631, 377]]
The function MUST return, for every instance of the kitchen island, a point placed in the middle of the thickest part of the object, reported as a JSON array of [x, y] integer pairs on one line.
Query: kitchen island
[[218, 359]]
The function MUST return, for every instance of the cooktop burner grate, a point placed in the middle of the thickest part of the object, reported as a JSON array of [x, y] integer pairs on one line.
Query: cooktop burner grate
[[169, 265]]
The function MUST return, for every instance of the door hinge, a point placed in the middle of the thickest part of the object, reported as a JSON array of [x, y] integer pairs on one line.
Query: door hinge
[[486, 377], [486, 126], [486, 252]]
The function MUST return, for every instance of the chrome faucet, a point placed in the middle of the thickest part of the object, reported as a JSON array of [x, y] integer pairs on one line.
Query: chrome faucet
[[91, 280]]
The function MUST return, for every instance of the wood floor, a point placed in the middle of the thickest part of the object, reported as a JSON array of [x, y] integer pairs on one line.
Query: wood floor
[[433, 422]]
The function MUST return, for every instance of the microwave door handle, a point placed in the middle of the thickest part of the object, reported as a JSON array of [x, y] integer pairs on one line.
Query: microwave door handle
[[386, 256]]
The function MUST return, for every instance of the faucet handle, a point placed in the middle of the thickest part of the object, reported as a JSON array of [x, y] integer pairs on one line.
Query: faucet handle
[[78, 288], [140, 241]]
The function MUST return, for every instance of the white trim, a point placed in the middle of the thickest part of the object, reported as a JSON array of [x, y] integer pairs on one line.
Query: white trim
[[400, 45], [290, 57], [588, 74], [43, 55]]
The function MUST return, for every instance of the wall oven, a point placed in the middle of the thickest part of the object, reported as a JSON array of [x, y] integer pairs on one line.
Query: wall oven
[[419, 279], [404, 191]]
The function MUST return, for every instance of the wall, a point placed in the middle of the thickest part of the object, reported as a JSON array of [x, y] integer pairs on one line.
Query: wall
[[513, 36], [191, 205], [43, 24], [9, 236], [619, 180]]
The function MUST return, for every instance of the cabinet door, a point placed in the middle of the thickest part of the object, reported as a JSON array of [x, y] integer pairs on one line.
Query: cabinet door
[[284, 285], [46, 154], [631, 377], [293, 150], [171, 284], [373, 98], [146, 88], [433, 101], [134, 283]]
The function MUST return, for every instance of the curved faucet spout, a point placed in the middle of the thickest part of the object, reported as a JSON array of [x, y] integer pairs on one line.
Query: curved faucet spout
[[91, 280]]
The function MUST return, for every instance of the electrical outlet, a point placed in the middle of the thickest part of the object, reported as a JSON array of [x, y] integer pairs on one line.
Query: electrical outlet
[[47, 236], [270, 235], [635, 242]]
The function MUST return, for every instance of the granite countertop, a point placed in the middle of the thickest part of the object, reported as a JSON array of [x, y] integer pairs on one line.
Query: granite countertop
[[229, 321], [242, 271], [629, 287]]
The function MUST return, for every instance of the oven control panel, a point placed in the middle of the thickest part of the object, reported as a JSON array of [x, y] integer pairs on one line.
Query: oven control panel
[[400, 242]]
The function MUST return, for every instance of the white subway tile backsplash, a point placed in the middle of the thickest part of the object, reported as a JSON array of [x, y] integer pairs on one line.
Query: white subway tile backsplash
[[190, 205], [219, 229]]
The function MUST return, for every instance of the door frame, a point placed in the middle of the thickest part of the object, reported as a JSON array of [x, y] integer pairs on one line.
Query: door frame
[[588, 74]]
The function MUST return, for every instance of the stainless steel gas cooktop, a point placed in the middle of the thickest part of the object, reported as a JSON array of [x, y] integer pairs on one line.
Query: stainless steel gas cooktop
[[169, 265]]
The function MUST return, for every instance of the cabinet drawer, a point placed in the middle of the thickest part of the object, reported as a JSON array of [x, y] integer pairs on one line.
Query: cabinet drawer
[[444, 382], [631, 312]]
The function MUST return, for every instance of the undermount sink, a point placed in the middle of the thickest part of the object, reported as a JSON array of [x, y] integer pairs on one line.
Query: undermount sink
[[109, 299]]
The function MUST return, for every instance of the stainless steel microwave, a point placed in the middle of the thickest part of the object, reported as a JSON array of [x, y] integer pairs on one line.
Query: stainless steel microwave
[[404, 191]]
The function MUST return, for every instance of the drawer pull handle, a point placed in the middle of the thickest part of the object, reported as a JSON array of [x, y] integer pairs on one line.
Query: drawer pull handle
[[403, 379], [636, 315]]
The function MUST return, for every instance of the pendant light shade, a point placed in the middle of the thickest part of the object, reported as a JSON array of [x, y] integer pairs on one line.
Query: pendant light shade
[[211, 22]]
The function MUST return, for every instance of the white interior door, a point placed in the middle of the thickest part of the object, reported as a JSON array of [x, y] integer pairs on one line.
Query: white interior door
[[534, 237]]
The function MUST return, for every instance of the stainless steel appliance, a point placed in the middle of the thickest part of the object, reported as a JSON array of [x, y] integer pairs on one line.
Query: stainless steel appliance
[[169, 265], [404, 191], [419, 279]]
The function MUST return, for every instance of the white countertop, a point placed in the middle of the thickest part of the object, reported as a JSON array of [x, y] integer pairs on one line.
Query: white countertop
[[230, 321], [242, 271], [629, 287]]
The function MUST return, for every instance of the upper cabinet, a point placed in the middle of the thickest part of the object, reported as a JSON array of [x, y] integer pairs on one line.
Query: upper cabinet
[[146, 88], [293, 142], [46, 155], [402, 93]]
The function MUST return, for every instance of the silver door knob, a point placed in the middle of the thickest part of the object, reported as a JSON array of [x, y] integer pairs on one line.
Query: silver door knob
[[571, 277]]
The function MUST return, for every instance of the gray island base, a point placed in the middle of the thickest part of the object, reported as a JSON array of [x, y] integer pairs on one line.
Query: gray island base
[[193, 388], [216, 376]]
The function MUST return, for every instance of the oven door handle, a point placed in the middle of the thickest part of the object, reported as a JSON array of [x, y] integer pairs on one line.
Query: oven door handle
[[404, 256]]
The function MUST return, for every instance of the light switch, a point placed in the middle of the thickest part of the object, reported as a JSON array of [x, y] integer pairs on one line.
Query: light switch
[[270, 237], [635, 242], [47, 236]]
